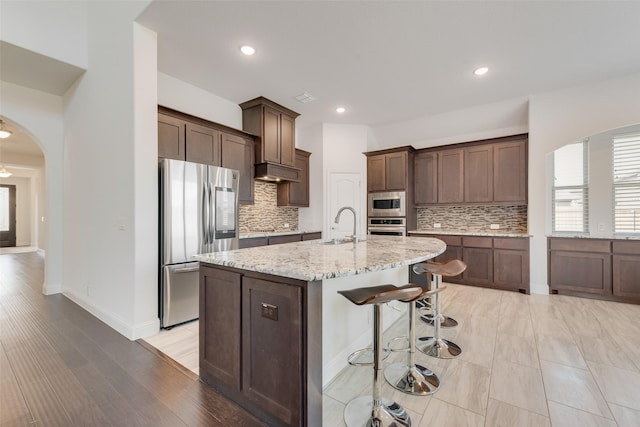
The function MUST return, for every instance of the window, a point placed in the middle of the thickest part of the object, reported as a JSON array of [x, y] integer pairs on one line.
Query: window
[[570, 188], [626, 183]]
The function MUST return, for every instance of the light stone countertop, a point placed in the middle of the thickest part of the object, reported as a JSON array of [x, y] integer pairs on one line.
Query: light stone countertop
[[589, 236], [314, 260], [250, 234], [470, 233]]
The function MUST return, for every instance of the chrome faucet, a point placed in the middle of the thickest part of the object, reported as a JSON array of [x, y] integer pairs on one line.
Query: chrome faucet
[[355, 220]]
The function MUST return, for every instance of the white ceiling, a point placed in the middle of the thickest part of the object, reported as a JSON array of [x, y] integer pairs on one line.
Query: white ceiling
[[391, 61]]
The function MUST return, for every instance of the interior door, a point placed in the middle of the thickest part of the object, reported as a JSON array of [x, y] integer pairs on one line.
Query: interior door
[[7, 215]]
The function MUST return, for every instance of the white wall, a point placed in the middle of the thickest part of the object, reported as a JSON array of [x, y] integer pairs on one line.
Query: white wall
[[185, 97], [108, 161], [310, 139], [57, 29], [560, 117], [40, 115]]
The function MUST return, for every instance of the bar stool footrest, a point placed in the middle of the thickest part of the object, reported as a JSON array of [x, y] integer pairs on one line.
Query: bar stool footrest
[[447, 322], [364, 357]]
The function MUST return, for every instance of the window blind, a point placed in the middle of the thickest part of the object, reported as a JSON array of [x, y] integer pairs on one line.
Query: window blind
[[626, 183], [570, 194]]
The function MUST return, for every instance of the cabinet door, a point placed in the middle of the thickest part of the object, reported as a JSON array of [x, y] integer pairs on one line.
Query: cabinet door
[[170, 137], [220, 318], [478, 174], [238, 153], [582, 272], [289, 238], [511, 270], [479, 266], [311, 236], [272, 347], [202, 145], [626, 276], [425, 183], [451, 176], [510, 171], [396, 171], [296, 193], [253, 242], [287, 140], [376, 180], [271, 135]]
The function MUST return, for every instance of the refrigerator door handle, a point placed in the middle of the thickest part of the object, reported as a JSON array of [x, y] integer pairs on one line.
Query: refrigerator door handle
[[186, 270], [212, 215], [205, 218]]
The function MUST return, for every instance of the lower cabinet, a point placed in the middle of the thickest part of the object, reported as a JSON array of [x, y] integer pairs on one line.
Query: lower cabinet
[[252, 242], [595, 268], [500, 262], [254, 338]]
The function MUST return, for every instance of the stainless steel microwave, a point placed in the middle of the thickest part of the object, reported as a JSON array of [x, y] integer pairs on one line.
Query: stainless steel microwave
[[387, 204]]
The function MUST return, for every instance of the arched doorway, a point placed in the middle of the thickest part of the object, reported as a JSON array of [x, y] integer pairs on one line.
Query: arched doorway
[[23, 211]]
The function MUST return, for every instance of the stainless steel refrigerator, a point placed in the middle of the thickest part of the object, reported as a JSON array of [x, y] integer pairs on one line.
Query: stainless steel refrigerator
[[198, 214]]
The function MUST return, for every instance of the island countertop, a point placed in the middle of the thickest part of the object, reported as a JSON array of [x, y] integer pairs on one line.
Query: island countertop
[[317, 260]]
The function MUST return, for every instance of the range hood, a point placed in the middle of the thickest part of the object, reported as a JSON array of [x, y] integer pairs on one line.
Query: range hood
[[276, 172]]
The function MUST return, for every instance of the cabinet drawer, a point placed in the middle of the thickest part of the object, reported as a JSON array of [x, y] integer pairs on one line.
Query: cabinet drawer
[[311, 236], [514, 243], [450, 240], [626, 247], [580, 245], [252, 242], [276, 240], [477, 242]]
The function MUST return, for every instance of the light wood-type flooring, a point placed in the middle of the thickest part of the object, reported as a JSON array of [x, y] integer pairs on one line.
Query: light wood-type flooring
[[527, 360]]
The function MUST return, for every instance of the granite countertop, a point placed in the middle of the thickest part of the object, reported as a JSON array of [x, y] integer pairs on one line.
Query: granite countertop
[[590, 236], [315, 260], [492, 233], [250, 234]]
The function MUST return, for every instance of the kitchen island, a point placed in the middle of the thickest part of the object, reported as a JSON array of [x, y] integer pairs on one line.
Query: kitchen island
[[274, 330]]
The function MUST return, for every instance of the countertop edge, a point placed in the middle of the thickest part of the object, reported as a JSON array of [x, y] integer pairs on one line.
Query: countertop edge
[[251, 235], [468, 233]]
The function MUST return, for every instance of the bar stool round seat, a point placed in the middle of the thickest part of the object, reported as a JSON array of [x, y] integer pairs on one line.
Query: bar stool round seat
[[410, 377], [375, 410], [436, 346]]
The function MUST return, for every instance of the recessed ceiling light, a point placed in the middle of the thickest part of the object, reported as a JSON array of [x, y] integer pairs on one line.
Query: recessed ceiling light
[[247, 50], [340, 110], [480, 71]]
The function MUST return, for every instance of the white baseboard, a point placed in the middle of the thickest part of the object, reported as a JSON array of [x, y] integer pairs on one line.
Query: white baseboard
[[539, 288], [41, 252], [132, 332]]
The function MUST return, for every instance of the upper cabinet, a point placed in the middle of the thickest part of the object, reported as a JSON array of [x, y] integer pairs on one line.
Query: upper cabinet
[[389, 170], [275, 127], [487, 172], [296, 193], [184, 137]]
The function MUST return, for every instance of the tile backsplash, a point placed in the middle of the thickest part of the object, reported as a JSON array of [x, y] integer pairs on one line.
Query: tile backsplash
[[265, 214], [511, 219]]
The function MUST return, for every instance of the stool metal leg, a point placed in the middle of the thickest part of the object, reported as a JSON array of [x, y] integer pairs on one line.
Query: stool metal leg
[[410, 377], [447, 322], [376, 411], [436, 346]]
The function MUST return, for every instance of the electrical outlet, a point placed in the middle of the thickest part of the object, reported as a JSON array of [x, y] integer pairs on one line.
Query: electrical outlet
[[437, 225], [495, 226], [286, 225]]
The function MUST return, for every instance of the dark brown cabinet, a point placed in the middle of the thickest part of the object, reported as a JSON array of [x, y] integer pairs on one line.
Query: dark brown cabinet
[[184, 137], [510, 171], [252, 242], [477, 253], [171, 133], [451, 176], [478, 174], [275, 127], [425, 178], [202, 144], [487, 172], [500, 262], [296, 193], [626, 269], [238, 153], [259, 343], [287, 238], [220, 318], [389, 171]]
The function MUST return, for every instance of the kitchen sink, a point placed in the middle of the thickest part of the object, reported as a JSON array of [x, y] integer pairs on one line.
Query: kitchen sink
[[337, 241]]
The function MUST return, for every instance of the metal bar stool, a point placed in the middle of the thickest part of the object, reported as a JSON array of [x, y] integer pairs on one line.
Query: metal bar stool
[[376, 410], [436, 346], [410, 377]]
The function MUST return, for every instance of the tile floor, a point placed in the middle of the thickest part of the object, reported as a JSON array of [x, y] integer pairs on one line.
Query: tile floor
[[527, 360]]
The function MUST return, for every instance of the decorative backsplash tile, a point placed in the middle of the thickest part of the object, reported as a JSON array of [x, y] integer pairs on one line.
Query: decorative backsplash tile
[[511, 219], [265, 214]]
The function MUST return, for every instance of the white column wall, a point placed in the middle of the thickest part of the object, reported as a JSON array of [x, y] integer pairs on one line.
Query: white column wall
[[310, 139]]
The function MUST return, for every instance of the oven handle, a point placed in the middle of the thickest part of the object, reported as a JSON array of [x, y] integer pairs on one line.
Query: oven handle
[[388, 230]]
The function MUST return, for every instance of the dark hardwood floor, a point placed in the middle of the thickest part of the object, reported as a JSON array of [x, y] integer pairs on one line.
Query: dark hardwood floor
[[60, 366]]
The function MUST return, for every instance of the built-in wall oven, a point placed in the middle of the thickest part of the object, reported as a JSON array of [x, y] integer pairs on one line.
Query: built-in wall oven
[[387, 204], [387, 226]]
